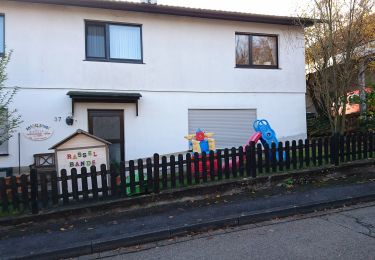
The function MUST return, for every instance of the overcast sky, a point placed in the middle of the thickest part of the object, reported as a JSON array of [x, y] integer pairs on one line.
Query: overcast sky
[[275, 7]]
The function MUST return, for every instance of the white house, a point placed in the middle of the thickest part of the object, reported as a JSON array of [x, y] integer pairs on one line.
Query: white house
[[142, 76]]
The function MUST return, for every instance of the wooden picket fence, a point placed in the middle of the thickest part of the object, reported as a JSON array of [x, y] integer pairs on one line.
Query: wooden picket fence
[[47, 190]]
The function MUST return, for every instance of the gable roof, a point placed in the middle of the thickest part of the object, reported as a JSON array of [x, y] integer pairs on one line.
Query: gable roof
[[79, 131], [178, 11]]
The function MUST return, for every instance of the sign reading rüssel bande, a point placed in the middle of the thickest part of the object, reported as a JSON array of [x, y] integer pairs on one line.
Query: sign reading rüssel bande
[[83, 157], [38, 132]]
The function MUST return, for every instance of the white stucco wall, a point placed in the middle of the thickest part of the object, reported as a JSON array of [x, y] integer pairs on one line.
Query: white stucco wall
[[189, 63]]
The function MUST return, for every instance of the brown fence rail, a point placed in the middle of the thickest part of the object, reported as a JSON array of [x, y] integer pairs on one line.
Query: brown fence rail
[[51, 189]]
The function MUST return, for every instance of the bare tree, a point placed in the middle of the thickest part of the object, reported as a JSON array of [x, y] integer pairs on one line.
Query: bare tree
[[9, 118], [336, 46]]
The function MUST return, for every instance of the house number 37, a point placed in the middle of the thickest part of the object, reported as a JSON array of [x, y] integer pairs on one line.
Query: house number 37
[[57, 118]]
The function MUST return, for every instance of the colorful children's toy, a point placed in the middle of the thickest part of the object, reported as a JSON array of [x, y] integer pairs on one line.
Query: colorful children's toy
[[201, 141], [264, 133]]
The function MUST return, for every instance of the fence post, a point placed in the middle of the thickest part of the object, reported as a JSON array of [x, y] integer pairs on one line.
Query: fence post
[[336, 148], [371, 144], [253, 166], [34, 191], [4, 195], [259, 158], [156, 173]]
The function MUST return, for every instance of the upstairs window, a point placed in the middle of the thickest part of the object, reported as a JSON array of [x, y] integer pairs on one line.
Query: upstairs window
[[113, 42], [2, 34], [256, 51]]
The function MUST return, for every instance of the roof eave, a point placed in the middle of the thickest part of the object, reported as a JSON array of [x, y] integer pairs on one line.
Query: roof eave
[[179, 11]]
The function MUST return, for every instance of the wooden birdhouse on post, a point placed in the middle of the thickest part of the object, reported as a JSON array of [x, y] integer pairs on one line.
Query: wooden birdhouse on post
[[78, 150]]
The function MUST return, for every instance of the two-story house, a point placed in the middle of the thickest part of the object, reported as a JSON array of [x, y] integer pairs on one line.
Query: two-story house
[[142, 76]]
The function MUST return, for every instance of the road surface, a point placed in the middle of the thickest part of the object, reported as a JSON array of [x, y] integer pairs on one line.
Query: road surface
[[347, 233]]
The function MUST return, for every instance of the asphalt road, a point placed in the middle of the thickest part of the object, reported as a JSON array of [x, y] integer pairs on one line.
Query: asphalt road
[[341, 234]]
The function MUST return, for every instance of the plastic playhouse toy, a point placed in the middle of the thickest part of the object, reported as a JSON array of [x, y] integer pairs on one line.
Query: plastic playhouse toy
[[201, 141]]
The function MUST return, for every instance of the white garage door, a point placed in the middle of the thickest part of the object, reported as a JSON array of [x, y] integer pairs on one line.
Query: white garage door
[[232, 127]]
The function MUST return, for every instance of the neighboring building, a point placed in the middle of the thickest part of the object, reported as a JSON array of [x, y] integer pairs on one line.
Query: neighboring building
[[142, 76]]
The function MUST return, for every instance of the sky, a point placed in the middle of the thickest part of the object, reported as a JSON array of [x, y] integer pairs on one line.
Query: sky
[[272, 7]]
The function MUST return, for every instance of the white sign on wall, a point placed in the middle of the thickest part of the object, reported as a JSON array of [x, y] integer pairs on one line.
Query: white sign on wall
[[38, 132]]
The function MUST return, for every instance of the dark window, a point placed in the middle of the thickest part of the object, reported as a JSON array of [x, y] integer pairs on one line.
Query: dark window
[[254, 50], [113, 42], [2, 34]]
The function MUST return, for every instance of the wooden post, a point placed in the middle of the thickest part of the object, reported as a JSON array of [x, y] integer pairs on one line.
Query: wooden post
[[234, 162], [212, 165], [320, 151], [273, 157], [164, 168], [348, 150], [267, 158], [34, 191], [74, 184], [103, 175], [156, 173], [54, 188], [219, 165], [132, 176], [354, 147], [253, 160], [294, 154], [307, 152], [94, 182], [85, 187], [188, 169], [196, 168], [4, 195], [260, 158], [25, 191], [181, 178], [64, 187], [280, 151], [150, 181], [141, 176], [226, 163], [172, 161], [15, 198], [300, 153], [113, 180], [204, 166]]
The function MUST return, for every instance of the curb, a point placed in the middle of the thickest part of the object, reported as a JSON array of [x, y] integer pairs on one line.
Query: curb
[[231, 221]]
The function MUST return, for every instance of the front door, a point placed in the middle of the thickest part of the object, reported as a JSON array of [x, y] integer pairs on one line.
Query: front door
[[109, 125]]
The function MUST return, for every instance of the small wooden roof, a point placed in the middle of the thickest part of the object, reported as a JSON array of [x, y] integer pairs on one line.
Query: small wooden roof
[[79, 132]]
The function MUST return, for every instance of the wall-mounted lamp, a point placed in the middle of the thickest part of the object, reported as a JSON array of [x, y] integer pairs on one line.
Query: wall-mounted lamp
[[69, 120]]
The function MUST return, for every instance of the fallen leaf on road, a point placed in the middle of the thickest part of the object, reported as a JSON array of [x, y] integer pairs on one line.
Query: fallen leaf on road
[[62, 229]]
